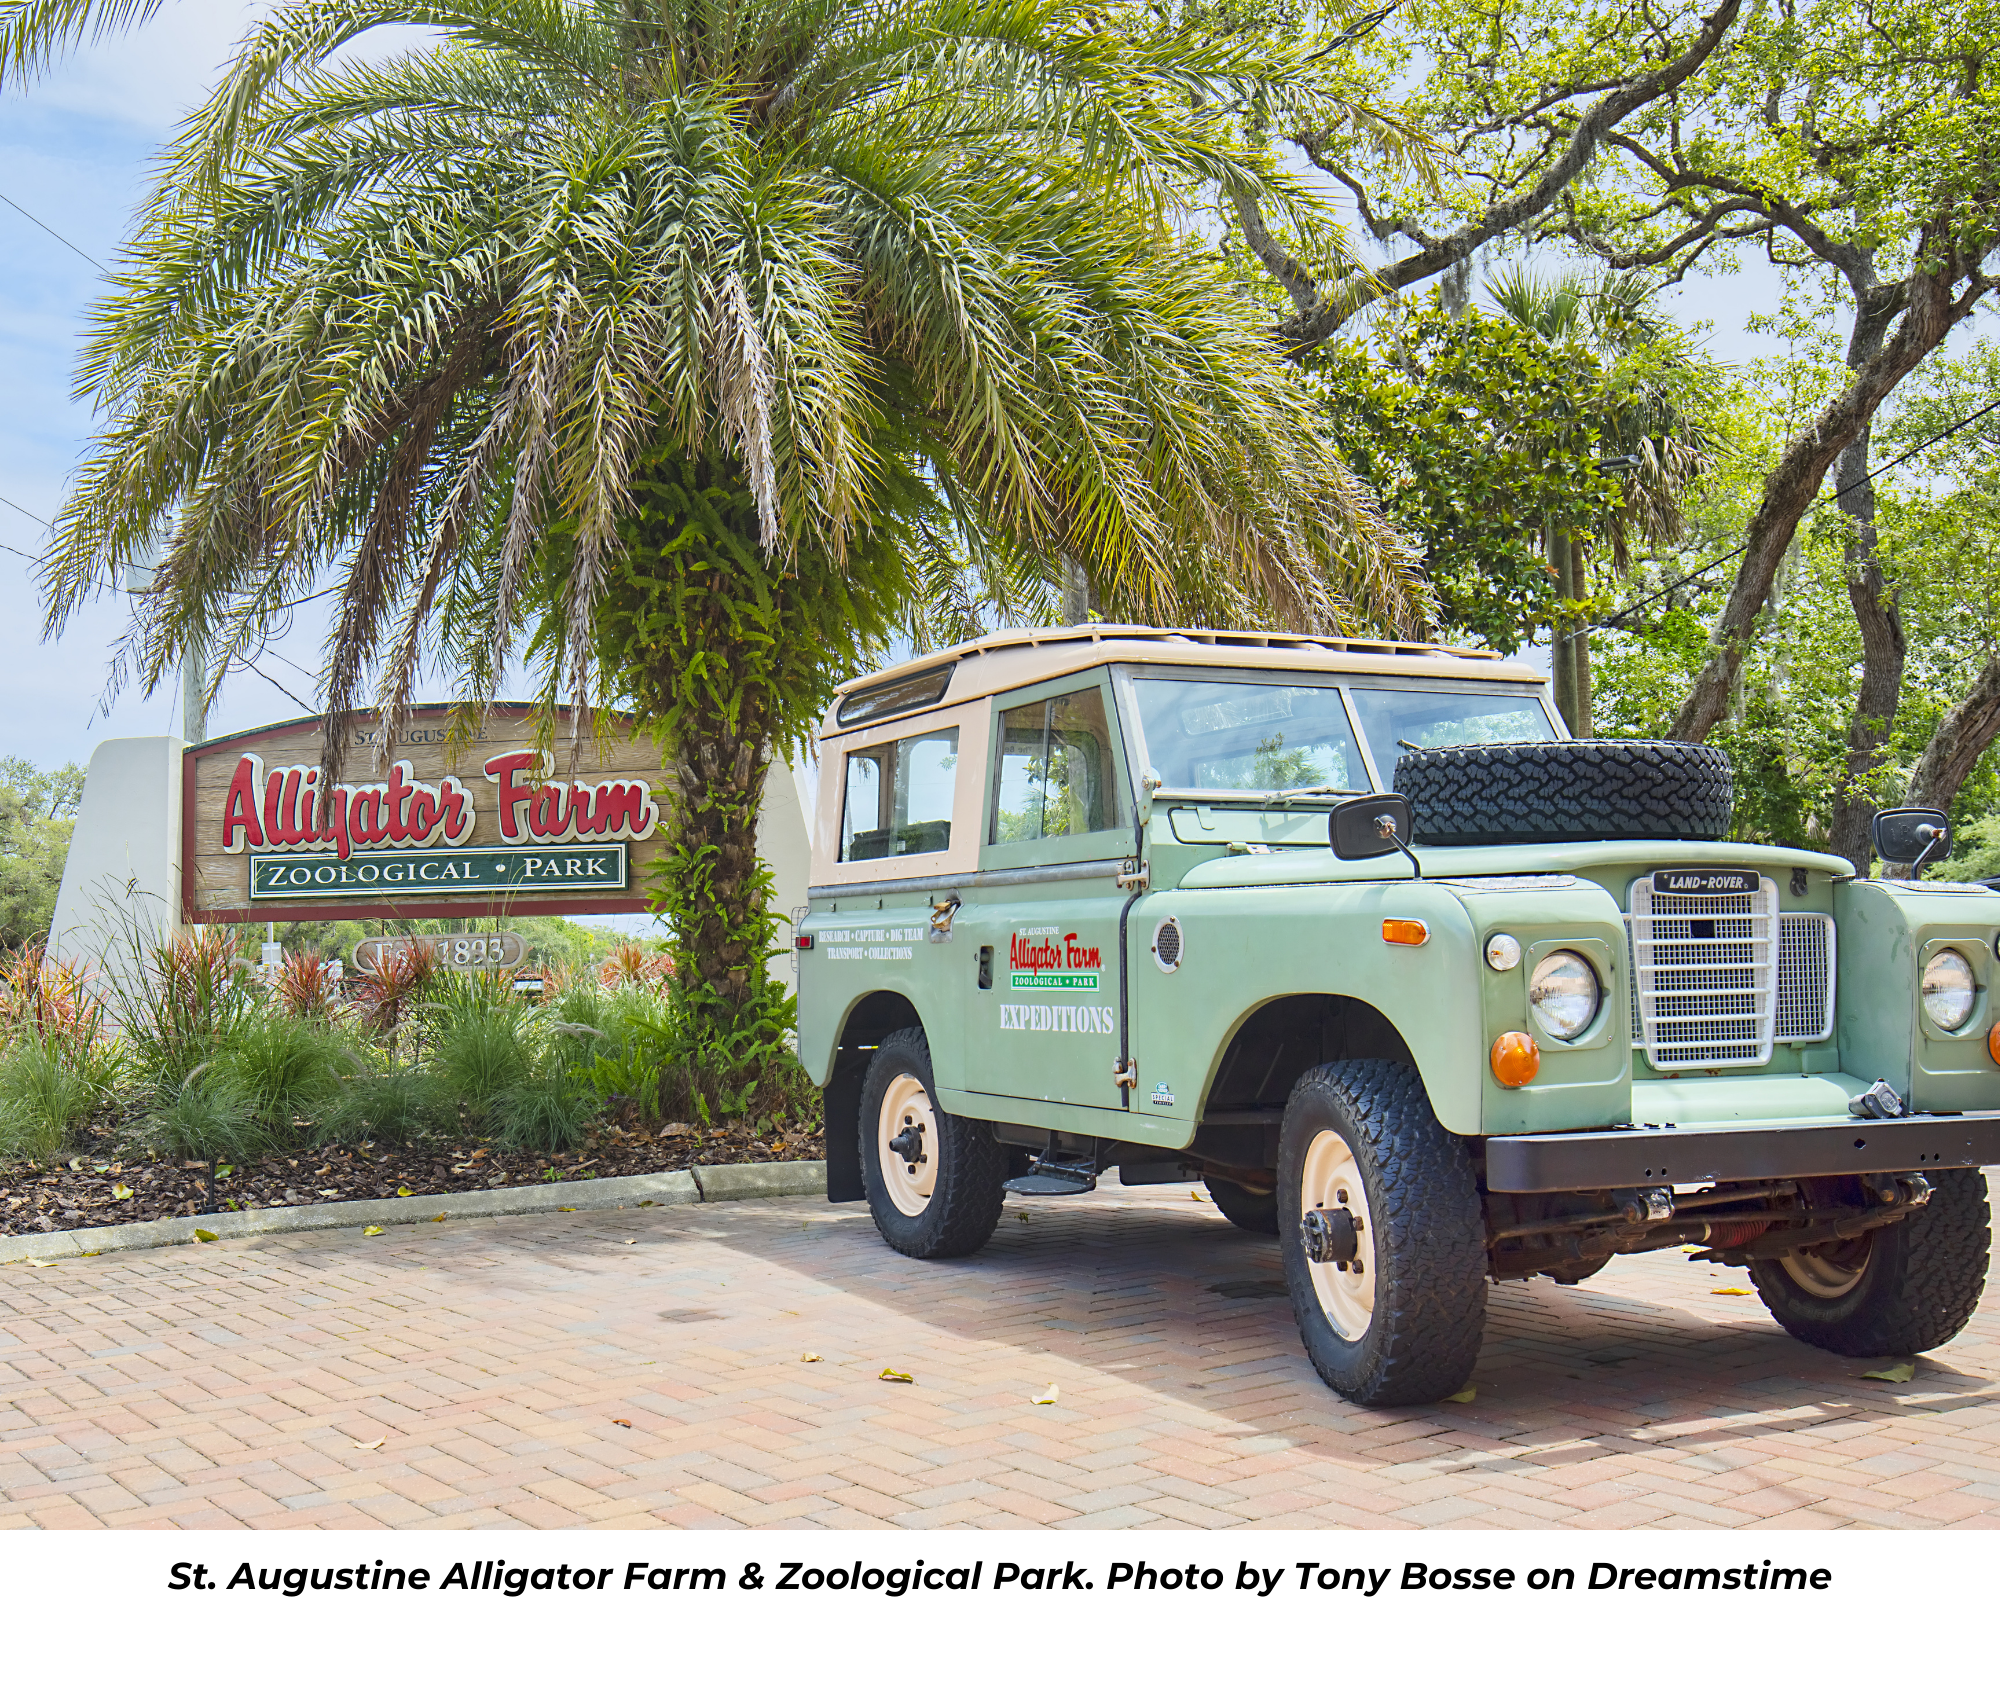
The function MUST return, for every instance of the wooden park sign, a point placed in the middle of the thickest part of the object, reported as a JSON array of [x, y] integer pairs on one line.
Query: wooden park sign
[[491, 828]]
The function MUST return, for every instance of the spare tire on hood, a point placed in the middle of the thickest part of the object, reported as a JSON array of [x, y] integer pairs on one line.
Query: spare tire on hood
[[1566, 793]]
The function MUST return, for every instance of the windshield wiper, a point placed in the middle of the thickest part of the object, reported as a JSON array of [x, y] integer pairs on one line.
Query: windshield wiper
[[1311, 791]]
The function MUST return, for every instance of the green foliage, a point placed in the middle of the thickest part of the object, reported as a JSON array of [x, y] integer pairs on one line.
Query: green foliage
[[546, 1113], [47, 1094], [289, 1068], [37, 814], [212, 1118], [1479, 435], [391, 1104], [179, 1010]]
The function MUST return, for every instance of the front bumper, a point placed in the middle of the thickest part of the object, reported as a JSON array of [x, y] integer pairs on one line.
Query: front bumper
[[1587, 1162]]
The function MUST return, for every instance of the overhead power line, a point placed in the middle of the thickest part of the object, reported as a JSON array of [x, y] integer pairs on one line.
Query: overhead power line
[[57, 234], [1742, 548]]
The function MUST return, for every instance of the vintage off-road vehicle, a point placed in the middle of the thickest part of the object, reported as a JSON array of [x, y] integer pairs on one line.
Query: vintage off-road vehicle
[[1353, 932]]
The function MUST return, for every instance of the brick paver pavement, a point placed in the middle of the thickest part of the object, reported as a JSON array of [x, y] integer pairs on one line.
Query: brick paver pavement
[[499, 1364]]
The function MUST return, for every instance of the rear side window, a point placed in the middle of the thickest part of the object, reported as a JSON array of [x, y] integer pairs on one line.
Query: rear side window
[[1058, 778], [898, 797]]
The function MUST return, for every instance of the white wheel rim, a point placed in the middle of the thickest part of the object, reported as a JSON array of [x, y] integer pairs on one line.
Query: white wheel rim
[[1331, 1180], [1824, 1277], [907, 1105]]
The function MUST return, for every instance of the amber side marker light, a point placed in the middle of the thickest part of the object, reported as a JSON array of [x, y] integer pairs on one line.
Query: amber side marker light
[[1517, 1059], [1405, 932], [1993, 1041]]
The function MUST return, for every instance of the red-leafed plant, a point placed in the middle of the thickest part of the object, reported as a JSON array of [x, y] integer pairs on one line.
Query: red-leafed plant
[[632, 964], [387, 992], [306, 986]]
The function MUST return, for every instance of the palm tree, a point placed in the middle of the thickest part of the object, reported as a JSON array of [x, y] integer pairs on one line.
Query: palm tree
[[678, 346], [1655, 395]]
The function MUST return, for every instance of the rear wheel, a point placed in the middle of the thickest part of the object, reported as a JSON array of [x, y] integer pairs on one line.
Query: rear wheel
[[1900, 1290], [933, 1180], [1253, 1212], [1383, 1244]]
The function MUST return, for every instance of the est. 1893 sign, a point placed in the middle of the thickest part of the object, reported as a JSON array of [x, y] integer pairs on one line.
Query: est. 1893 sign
[[490, 829]]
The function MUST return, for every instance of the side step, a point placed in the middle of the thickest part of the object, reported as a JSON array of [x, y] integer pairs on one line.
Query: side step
[[1051, 1179]]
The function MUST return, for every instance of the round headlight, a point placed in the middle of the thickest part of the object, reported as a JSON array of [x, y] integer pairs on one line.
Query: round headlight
[[1563, 994], [1948, 990], [1503, 951]]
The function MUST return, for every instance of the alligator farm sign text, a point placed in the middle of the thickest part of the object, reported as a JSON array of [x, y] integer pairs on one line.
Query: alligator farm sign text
[[492, 828]]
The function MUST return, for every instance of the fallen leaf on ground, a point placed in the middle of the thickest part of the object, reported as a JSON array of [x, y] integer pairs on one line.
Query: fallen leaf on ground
[[1048, 1396], [439, 1217], [365, 1232], [1024, 1215], [205, 1235], [621, 1422], [38, 1263], [1895, 1372], [809, 1357], [896, 1375], [121, 1193], [566, 1209], [1464, 1396], [1731, 1292], [90, 1254], [1194, 1195], [646, 1204], [368, 1445], [402, 1192], [631, 1242]]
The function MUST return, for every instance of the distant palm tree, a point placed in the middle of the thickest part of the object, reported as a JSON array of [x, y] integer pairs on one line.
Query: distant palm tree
[[1654, 395], [687, 342]]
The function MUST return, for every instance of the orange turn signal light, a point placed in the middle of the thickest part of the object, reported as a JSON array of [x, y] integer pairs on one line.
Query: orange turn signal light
[[1517, 1059], [1993, 1041], [1405, 932]]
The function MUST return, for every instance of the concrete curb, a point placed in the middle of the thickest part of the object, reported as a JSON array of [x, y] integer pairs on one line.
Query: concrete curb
[[711, 1185]]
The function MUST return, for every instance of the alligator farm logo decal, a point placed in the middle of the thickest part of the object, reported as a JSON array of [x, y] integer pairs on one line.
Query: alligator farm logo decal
[[1048, 963]]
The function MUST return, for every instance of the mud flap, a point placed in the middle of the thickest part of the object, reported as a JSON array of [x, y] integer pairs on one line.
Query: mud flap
[[843, 1128]]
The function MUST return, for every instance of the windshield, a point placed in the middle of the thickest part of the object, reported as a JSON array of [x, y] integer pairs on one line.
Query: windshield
[[1230, 735], [1393, 721]]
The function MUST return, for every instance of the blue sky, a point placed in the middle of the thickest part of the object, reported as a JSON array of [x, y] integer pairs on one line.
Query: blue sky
[[74, 153]]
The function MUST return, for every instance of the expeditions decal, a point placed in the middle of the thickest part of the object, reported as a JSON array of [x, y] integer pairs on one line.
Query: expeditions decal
[[1057, 1018], [1046, 963]]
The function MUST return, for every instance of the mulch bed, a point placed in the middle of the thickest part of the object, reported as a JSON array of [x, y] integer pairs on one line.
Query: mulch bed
[[81, 1190]]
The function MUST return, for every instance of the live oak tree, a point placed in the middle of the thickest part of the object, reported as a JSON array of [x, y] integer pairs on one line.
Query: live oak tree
[[678, 346]]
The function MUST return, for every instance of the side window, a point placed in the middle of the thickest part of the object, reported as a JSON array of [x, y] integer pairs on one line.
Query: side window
[[898, 797], [1057, 777]]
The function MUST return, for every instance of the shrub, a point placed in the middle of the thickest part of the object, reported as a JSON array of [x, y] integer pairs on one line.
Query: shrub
[[632, 964], [479, 1051], [398, 1105], [386, 995], [210, 1117], [546, 1113], [46, 1094], [51, 1001], [306, 987], [289, 1069], [178, 1014]]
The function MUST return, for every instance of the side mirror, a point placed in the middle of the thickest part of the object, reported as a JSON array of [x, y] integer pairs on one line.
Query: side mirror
[[1914, 836], [1365, 827]]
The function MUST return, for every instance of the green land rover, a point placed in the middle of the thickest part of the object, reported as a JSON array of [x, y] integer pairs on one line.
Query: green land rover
[[1357, 935]]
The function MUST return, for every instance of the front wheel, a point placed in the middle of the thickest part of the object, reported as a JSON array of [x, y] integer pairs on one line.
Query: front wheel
[[935, 1182], [1900, 1290], [1381, 1235]]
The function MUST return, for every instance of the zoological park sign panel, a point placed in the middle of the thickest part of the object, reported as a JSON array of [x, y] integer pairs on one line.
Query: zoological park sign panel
[[490, 828]]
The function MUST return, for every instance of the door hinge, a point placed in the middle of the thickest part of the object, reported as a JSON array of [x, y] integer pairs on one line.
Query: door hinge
[[1133, 877], [1125, 1072]]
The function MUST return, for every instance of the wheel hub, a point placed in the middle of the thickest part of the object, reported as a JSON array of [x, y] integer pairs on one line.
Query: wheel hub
[[1331, 1236], [909, 1144], [904, 1146]]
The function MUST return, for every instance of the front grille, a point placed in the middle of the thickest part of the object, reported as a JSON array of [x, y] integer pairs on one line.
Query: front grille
[[1705, 976], [1805, 979]]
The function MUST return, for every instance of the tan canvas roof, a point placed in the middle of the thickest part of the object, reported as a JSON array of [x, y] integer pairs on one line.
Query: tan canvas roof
[[1001, 661]]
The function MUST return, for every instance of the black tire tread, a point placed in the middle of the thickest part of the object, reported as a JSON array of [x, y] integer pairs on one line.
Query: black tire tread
[[1566, 793], [1253, 1212], [1926, 1276], [1429, 1230], [972, 1168]]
